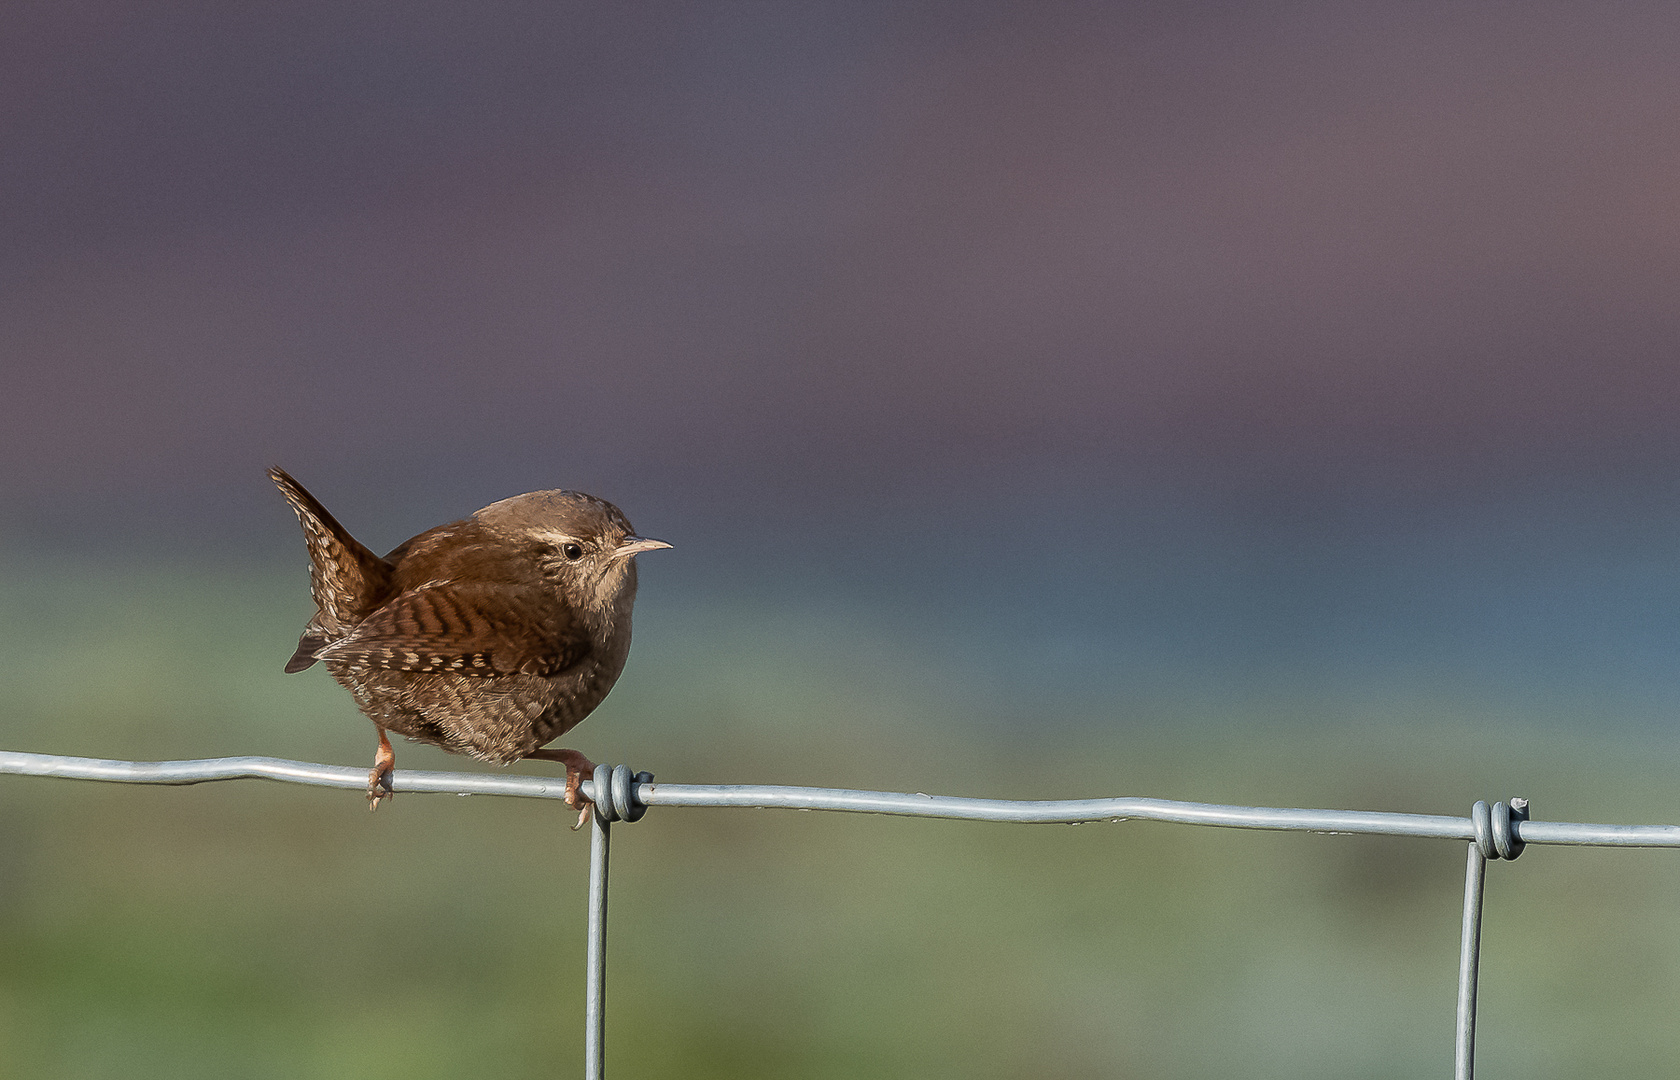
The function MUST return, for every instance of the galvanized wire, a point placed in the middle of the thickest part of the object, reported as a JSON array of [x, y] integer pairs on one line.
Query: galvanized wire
[[1497, 832], [1469, 960], [595, 966], [647, 793]]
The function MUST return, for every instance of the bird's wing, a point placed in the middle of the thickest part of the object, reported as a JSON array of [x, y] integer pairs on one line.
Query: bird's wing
[[468, 628]]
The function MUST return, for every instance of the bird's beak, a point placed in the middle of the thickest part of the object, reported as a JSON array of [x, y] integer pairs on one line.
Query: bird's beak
[[635, 545]]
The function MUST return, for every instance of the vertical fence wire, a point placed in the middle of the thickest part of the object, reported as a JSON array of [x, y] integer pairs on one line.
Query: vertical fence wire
[[595, 980], [1469, 961]]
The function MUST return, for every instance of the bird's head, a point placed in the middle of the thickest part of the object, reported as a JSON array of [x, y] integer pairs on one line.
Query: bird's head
[[583, 545]]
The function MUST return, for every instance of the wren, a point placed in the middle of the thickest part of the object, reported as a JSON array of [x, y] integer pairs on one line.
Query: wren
[[488, 636]]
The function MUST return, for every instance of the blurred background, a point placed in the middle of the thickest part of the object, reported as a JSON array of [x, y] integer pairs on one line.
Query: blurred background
[[1257, 405]]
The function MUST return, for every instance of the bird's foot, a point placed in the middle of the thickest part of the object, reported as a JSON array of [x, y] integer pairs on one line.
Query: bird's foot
[[379, 778], [577, 768]]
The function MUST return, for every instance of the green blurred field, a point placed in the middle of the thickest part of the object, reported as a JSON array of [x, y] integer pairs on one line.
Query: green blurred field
[[257, 930]]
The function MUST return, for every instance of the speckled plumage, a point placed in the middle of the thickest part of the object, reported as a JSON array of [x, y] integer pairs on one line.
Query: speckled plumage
[[488, 636]]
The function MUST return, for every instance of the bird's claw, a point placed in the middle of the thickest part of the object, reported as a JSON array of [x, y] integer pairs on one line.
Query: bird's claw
[[379, 786], [577, 768], [575, 797], [379, 777]]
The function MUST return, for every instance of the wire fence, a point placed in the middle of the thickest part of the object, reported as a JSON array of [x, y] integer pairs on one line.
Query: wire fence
[[1499, 831]]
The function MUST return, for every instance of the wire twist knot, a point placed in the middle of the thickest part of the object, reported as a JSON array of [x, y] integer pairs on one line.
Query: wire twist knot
[[1496, 833], [615, 798]]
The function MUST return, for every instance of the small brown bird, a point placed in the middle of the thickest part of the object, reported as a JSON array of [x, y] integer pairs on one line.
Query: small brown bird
[[488, 636]]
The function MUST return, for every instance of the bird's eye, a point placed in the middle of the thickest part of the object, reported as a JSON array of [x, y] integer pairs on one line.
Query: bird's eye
[[571, 551]]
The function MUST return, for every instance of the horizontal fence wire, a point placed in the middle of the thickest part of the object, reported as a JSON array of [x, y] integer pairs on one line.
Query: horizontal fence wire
[[904, 804], [1497, 832]]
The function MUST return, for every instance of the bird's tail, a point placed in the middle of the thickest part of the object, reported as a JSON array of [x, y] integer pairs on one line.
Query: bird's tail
[[346, 579]]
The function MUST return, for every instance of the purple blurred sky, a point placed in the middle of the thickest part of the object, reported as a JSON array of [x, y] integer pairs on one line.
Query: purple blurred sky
[[1264, 272], [834, 244]]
